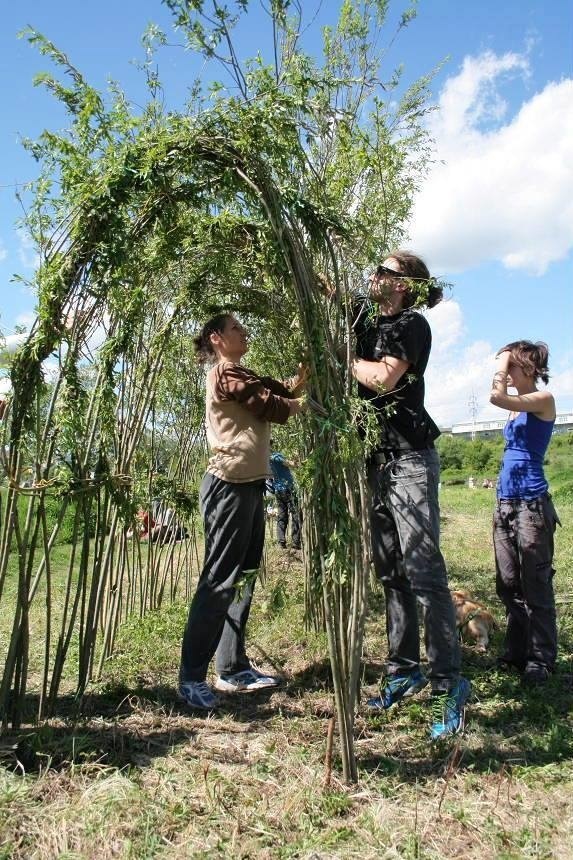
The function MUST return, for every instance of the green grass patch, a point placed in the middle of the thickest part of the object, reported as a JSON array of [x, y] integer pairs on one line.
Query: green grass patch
[[139, 776]]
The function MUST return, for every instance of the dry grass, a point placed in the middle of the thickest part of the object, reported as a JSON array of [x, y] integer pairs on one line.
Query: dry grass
[[139, 776]]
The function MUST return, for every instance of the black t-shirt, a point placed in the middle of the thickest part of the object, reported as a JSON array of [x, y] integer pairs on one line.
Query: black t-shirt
[[404, 423]]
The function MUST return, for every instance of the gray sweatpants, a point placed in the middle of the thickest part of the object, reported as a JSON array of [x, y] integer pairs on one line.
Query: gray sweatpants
[[234, 521], [523, 541], [405, 525]]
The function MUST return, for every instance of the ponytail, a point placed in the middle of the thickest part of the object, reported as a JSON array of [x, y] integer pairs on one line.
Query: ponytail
[[202, 342]]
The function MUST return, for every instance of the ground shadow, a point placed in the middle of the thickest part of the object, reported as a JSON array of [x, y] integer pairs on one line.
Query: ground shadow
[[122, 727]]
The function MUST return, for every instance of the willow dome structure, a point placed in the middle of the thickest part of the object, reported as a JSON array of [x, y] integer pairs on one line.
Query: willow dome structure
[[159, 220]]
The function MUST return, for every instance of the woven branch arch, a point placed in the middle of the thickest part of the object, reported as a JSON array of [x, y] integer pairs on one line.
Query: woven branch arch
[[128, 254], [306, 171]]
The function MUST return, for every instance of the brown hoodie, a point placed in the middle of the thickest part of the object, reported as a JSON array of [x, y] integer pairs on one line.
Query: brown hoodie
[[240, 406]]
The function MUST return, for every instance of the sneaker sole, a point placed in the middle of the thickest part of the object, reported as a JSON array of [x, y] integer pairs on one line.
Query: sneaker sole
[[225, 687], [375, 708], [195, 707], [414, 692]]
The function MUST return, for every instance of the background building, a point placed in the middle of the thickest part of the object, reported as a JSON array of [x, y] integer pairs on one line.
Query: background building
[[489, 429]]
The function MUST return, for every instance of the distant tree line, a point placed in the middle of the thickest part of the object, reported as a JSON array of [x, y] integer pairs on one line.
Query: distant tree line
[[461, 458]]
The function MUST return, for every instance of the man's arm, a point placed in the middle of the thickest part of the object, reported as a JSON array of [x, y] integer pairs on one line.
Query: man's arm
[[402, 345], [379, 376]]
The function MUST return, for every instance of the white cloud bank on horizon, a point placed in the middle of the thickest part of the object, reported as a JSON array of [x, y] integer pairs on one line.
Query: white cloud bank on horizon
[[456, 372], [501, 190]]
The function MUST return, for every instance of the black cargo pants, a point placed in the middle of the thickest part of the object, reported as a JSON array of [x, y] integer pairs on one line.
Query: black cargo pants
[[523, 533], [234, 520]]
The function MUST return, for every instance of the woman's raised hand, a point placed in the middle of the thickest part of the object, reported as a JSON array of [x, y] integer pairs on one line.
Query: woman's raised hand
[[300, 381], [502, 360]]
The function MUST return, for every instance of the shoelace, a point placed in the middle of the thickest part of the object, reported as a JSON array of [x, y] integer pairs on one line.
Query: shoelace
[[443, 707], [245, 675], [204, 689]]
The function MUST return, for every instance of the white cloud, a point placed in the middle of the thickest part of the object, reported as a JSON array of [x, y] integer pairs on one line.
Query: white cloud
[[3, 251], [457, 372], [27, 319], [503, 188], [27, 252], [454, 380], [51, 370], [471, 97], [446, 321], [561, 384]]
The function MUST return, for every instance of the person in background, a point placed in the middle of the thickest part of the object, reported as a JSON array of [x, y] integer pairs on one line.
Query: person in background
[[240, 408], [393, 343], [166, 526], [283, 486], [525, 519], [147, 524]]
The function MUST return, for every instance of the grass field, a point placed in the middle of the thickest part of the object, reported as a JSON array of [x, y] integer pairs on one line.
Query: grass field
[[138, 776]]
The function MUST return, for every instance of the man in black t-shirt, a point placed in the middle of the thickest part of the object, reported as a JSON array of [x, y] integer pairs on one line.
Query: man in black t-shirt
[[404, 422], [393, 344]]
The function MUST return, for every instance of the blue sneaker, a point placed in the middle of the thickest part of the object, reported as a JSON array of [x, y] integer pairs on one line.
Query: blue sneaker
[[398, 687], [199, 695], [448, 710]]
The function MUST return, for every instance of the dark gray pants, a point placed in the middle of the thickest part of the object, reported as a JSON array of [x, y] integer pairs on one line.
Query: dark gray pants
[[288, 508], [523, 541], [405, 524], [234, 522]]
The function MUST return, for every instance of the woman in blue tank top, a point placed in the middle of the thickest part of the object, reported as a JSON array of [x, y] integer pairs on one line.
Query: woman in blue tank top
[[525, 519]]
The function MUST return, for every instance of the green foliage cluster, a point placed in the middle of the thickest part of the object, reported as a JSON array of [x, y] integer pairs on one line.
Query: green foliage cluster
[[460, 458], [183, 188], [186, 190], [559, 467]]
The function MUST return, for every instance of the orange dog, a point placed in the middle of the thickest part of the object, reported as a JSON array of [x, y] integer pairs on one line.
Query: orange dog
[[473, 619]]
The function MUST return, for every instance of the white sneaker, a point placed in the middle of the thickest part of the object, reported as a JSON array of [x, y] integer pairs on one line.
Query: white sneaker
[[246, 681]]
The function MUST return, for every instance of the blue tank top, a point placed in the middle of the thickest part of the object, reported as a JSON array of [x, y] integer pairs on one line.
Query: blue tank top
[[526, 440]]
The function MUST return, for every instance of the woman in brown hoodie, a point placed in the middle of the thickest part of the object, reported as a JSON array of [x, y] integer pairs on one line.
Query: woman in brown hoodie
[[240, 407]]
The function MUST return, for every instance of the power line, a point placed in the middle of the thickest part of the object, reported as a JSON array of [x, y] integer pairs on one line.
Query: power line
[[473, 410]]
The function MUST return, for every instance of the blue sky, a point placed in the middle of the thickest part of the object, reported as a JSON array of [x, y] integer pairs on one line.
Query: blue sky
[[495, 215]]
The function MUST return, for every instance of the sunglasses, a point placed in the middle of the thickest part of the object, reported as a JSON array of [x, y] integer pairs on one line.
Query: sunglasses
[[385, 272]]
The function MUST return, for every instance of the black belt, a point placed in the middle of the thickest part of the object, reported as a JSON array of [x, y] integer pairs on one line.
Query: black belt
[[380, 458]]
